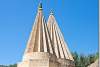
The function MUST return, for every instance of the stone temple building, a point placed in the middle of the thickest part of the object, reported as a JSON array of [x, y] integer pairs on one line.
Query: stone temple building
[[46, 46]]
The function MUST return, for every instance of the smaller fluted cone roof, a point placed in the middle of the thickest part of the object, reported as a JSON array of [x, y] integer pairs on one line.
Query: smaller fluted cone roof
[[39, 40], [60, 47]]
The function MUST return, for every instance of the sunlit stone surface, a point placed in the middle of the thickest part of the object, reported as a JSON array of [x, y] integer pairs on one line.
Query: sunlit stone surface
[[95, 64], [46, 46]]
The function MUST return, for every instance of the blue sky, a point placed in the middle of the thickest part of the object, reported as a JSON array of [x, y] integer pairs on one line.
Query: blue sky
[[78, 20]]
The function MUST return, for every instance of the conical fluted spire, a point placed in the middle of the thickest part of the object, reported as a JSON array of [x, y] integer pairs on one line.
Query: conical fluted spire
[[39, 39], [60, 47]]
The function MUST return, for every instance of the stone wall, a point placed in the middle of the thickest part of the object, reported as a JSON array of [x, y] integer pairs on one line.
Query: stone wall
[[38, 59]]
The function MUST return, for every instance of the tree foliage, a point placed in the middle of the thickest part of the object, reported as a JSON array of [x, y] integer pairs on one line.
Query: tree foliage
[[14, 65], [84, 61]]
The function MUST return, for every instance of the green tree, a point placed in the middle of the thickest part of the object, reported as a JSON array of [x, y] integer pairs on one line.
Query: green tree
[[14, 65], [84, 61], [91, 58], [76, 58]]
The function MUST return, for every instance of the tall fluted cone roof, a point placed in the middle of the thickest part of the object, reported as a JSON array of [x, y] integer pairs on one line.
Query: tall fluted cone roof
[[39, 40], [60, 47]]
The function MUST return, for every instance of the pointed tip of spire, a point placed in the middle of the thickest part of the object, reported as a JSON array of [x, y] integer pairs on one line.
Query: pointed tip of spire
[[51, 12], [40, 6]]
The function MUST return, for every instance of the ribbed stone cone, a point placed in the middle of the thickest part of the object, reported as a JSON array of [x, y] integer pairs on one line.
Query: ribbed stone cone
[[60, 47], [39, 50], [39, 40]]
